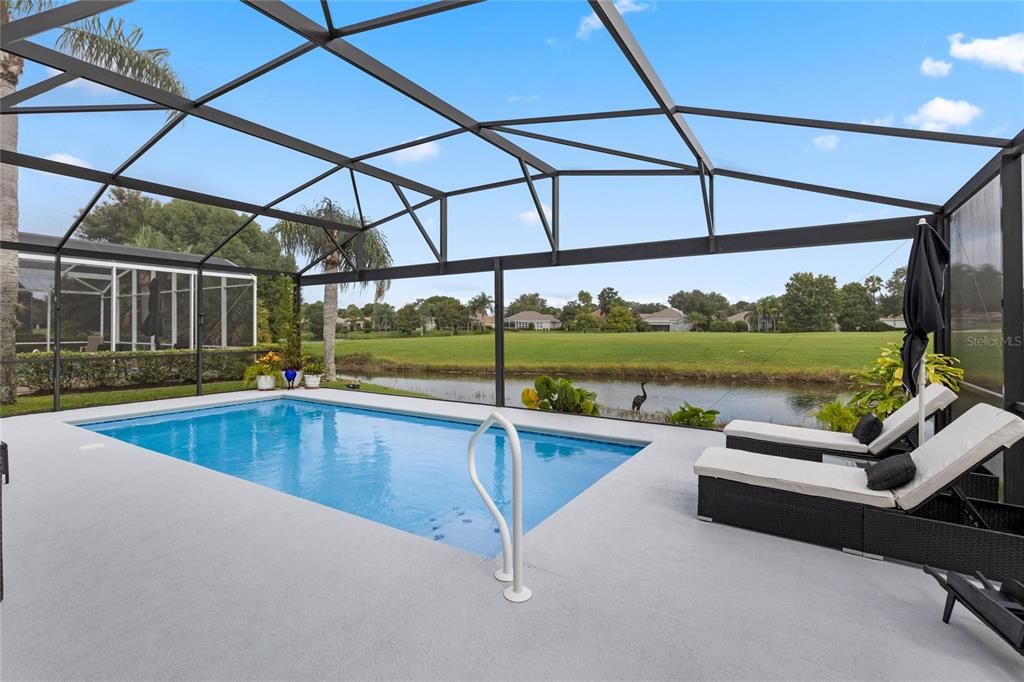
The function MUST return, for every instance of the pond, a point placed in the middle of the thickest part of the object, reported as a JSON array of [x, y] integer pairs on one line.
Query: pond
[[781, 403]]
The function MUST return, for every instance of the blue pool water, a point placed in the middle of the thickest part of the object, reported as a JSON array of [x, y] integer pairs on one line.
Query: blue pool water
[[404, 471]]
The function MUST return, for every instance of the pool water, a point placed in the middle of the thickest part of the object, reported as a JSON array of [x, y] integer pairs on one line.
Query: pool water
[[404, 471]]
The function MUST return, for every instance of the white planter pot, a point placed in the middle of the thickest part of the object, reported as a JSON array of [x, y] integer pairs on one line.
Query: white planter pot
[[266, 383], [312, 381], [297, 382]]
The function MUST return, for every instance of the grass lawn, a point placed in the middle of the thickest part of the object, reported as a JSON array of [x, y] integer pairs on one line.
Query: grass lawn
[[812, 356], [70, 401]]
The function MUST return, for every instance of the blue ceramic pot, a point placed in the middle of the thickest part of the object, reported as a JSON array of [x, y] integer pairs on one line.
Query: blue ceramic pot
[[289, 376]]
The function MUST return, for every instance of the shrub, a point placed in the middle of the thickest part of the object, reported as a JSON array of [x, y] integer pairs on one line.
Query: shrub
[[559, 395], [691, 415], [838, 416], [878, 387], [741, 326], [721, 326], [109, 370]]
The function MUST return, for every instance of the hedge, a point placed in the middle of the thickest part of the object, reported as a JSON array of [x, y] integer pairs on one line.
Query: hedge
[[108, 369]]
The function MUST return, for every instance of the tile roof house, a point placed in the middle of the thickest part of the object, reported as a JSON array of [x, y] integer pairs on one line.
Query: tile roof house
[[531, 319], [667, 320]]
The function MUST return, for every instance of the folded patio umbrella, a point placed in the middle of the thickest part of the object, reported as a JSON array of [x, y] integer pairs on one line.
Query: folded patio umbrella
[[922, 306], [153, 324]]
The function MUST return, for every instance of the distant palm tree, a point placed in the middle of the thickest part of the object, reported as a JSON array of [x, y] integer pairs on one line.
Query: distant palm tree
[[109, 44], [480, 305], [312, 243]]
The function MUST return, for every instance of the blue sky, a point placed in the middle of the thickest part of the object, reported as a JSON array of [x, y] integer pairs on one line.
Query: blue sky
[[949, 66]]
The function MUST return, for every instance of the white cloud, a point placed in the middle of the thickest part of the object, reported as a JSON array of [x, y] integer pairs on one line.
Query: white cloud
[[591, 23], [551, 41], [523, 98], [941, 114], [1006, 52], [63, 157], [421, 152], [879, 121], [79, 83], [531, 217], [936, 68], [826, 143]]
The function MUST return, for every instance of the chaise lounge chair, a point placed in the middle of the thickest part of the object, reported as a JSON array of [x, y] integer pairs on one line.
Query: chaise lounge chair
[[927, 521], [797, 442]]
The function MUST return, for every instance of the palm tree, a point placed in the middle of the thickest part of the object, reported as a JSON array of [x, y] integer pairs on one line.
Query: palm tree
[[111, 45], [314, 243], [480, 305]]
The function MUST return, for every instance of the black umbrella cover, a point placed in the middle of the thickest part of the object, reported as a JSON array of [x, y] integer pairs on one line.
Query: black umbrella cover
[[923, 299], [153, 324]]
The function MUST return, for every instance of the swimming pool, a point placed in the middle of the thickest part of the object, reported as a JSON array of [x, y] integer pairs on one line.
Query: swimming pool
[[408, 472]]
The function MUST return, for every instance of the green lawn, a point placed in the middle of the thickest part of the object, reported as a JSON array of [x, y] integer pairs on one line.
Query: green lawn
[[811, 356], [70, 401]]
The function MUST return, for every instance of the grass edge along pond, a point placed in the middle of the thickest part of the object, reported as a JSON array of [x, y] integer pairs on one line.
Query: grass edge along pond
[[824, 357]]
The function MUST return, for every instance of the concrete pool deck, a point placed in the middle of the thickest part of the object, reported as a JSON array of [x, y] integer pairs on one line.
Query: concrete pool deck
[[123, 563]]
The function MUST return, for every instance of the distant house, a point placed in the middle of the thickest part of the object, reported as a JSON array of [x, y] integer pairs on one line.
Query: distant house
[[894, 321], [484, 321], [738, 317], [531, 319], [667, 320]]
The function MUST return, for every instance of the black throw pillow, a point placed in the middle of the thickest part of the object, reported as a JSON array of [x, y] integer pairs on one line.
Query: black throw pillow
[[868, 428], [891, 472]]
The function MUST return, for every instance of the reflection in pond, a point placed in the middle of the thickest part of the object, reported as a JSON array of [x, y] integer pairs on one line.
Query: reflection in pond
[[781, 403]]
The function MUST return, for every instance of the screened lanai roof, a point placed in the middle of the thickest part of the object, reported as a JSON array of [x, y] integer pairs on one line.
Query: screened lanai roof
[[257, 110], [82, 248]]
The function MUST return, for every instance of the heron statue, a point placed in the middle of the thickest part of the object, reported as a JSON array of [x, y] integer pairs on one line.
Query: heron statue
[[638, 401]]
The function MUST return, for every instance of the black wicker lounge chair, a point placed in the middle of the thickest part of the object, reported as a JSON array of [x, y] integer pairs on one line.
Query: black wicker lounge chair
[[1001, 609], [927, 521], [811, 444]]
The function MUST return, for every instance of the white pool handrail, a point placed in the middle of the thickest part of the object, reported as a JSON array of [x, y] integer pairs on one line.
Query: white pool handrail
[[512, 561]]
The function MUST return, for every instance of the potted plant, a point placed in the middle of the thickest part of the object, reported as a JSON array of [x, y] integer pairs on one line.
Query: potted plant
[[263, 372], [313, 369], [291, 365]]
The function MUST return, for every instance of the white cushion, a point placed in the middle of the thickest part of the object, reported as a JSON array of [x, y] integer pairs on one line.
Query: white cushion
[[957, 449], [834, 481], [796, 435], [899, 423]]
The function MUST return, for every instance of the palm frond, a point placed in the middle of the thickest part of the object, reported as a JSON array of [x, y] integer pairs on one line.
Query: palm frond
[[115, 46], [16, 9]]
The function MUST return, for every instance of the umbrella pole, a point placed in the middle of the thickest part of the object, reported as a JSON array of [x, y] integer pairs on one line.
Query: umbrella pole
[[920, 402]]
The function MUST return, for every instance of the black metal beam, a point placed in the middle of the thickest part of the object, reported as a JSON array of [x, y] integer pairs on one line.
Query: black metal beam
[[567, 118], [499, 332], [1012, 227], [253, 74], [35, 90], [81, 109], [832, 191], [865, 128], [594, 148], [402, 16], [310, 30], [40, 22], [409, 144], [283, 197], [443, 219], [887, 229], [416, 219], [331, 30], [623, 37], [58, 60], [538, 205], [982, 177], [97, 253], [101, 178], [55, 322], [625, 172]]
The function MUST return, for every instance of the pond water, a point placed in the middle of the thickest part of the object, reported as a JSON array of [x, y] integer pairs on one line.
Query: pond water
[[781, 403]]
